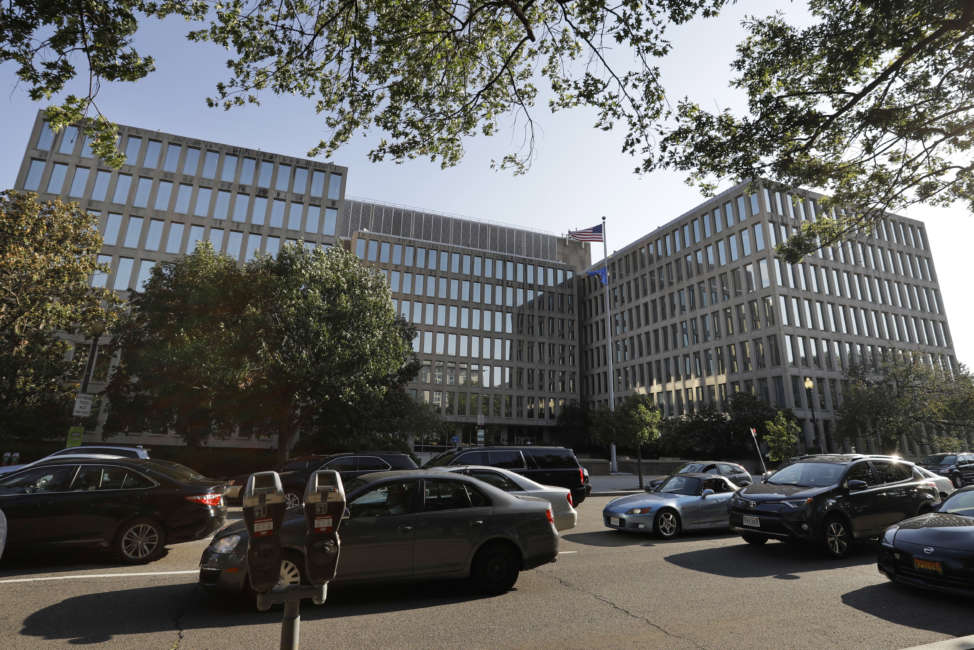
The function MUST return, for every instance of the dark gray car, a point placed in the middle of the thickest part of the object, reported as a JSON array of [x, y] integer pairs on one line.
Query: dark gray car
[[410, 525]]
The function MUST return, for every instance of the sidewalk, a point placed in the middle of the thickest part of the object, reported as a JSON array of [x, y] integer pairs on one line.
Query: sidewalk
[[619, 484]]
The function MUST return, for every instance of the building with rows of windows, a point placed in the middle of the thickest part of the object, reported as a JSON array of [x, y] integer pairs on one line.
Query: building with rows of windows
[[509, 328], [702, 309]]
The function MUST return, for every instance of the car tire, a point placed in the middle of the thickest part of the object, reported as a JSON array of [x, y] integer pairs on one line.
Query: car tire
[[754, 540], [666, 524], [957, 481], [495, 569], [837, 537], [140, 541], [292, 500]]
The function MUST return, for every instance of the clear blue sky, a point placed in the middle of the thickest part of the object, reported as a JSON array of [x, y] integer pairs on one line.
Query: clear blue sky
[[578, 175]]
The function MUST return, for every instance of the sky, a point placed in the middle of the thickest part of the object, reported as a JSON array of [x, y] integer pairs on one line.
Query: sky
[[578, 174]]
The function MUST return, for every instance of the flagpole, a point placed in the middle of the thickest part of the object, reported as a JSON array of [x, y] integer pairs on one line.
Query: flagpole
[[613, 467]]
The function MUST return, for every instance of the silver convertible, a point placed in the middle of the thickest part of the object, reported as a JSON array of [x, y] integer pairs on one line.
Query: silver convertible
[[680, 502]]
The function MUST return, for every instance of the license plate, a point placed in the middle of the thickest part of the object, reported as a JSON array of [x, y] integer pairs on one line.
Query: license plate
[[752, 521], [928, 565], [615, 521]]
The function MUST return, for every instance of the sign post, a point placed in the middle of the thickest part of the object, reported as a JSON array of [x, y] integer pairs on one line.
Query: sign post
[[754, 435]]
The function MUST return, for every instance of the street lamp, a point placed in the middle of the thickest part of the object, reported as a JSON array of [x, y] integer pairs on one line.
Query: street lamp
[[809, 384]]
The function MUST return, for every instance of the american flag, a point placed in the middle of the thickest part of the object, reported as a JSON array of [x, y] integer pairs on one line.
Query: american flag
[[588, 234]]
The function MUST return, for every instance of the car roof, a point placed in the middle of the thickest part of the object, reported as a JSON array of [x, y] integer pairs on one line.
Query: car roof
[[711, 462], [503, 447], [700, 475]]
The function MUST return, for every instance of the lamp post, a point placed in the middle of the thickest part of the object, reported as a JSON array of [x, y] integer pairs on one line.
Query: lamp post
[[809, 384]]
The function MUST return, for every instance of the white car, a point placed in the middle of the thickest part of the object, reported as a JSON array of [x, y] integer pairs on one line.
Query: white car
[[944, 485], [562, 506]]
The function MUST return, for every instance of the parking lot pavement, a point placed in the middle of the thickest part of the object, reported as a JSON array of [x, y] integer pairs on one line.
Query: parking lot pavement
[[618, 484], [607, 589]]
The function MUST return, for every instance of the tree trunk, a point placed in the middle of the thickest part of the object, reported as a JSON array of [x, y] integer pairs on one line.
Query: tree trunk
[[284, 434], [639, 464]]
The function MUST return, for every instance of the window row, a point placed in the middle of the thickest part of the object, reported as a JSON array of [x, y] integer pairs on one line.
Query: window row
[[494, 406], [451, 373], [466, 291], [497, 349]]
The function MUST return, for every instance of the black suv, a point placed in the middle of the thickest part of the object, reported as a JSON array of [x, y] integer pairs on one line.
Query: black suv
[[545, 465], [831, 499], [958, 467]]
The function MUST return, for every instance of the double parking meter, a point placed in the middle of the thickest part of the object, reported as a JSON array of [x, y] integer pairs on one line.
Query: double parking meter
[[263, 510], [324, 506]]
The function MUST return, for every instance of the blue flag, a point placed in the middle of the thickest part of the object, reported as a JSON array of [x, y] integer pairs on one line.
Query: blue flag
[[600, 273]]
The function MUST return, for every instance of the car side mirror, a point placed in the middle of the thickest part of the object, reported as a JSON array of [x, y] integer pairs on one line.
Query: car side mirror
[[856, 485], [706, 493]]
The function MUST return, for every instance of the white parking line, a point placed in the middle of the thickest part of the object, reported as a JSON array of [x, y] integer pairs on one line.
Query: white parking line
[[100, 575], [566, 552]]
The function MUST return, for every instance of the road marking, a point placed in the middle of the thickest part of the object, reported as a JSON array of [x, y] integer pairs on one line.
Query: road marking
[[566, 552], [100, 575]]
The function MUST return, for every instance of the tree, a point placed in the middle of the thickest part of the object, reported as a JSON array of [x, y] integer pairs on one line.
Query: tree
[[747, 411], [427, 73], [633, 424], [48, 253], [277, 339], [575, 427], [781, 437], [872, 103]]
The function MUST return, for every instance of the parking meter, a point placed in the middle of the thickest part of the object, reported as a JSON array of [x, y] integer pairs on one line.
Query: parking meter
[[263, 510], [324, 506]]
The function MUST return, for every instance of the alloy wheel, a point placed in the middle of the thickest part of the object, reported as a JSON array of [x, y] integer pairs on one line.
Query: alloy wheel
[[667, 524], [290, 574], [837, 538], [140, 541], [291, 500]]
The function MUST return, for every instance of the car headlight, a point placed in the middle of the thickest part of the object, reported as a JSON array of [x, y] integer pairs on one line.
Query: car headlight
[[225, 544], [889, 535], [797, 503], [639, 511]]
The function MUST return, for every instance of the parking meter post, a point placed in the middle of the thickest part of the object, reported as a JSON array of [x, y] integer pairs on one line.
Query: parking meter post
[[263, 509], [291, 625]]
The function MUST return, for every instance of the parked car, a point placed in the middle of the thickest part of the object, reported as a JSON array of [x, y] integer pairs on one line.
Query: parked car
[[736, 473], [120, 451], [831, 499], [295, 474], [409, 525], [545, 465], [935, 550], [132, 506], [514, 484], [958, 467], [944, 485], [689, 501]]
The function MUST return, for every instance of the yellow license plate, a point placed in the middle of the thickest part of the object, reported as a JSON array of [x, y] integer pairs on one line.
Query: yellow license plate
[[928, 565]]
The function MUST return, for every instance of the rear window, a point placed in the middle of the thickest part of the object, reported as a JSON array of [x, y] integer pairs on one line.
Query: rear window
[[442, 459], [509, 458], [470, 458], [553, 458], [174, 471]]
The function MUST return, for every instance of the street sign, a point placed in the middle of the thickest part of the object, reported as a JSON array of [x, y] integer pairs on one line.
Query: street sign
[[455, 439], [75, 436], [82, 405], [480, 436]]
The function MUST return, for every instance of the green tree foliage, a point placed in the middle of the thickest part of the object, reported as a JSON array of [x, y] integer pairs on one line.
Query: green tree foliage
[[427, 73], [48, 253], [575, 427], [266, 348], [872, 103], [781, 437], [941, 444], [905, 398], [634, 424]]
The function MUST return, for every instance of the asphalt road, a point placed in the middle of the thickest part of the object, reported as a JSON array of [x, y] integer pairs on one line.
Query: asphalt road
[[608, 589]]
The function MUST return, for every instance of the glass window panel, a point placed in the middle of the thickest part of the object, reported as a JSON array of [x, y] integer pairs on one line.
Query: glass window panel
[[86, 151], [311, 222], [163, 193], [46, 137], [112, 226], [229, 169], [264, 177], [182, 198], [300, 180], [69, 137], [253, 246], [145, 272], [247, 169], [240, 205], [334, 186], [154, 236], [273, 246], [317, 183], [175, 237], [195, 237], [171, 163], [133, 233], [209, 164], [331, 216], [152, 152], [56, 182], [123, 274], [132, 150], [142, 191], [80, 182], [202, 202], [222, 208], [294, 216], [277, 213], [192, 161], [122, 185], [283, 177], [100, 190], [216, 238], [34, 174], [234, 241], [100, 278]]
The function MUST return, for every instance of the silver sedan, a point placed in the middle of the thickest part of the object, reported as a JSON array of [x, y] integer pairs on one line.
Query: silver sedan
[[681, 502], [562, 506]]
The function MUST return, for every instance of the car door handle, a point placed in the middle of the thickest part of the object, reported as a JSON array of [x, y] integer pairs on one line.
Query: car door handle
[[476, 522], [406, 528]]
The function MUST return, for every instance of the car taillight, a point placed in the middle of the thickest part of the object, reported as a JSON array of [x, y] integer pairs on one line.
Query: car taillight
[[581, 475], [209, 499], [547, 513], [570, 501]]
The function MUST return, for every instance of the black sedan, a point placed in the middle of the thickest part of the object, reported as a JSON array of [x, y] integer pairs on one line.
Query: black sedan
[[132, 506], [935, 550], [409, 525]]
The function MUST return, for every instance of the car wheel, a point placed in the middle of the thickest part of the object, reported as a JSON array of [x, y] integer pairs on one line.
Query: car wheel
[[957, 481], [495, 569], [838, 537], [292, 500], [667, 524], [756, 540], [140, 541], [292, 572]]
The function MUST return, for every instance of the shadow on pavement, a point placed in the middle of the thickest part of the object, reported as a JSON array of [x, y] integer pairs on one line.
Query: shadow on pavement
[[24, 562], [775, 559], [618, 538], [916, 608], [101, 617]]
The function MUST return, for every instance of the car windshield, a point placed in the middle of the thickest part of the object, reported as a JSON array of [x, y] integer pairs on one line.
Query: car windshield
[[352, 485], [691, 467], [680, 485], [808, 474], [959, 503], [939, 459]]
